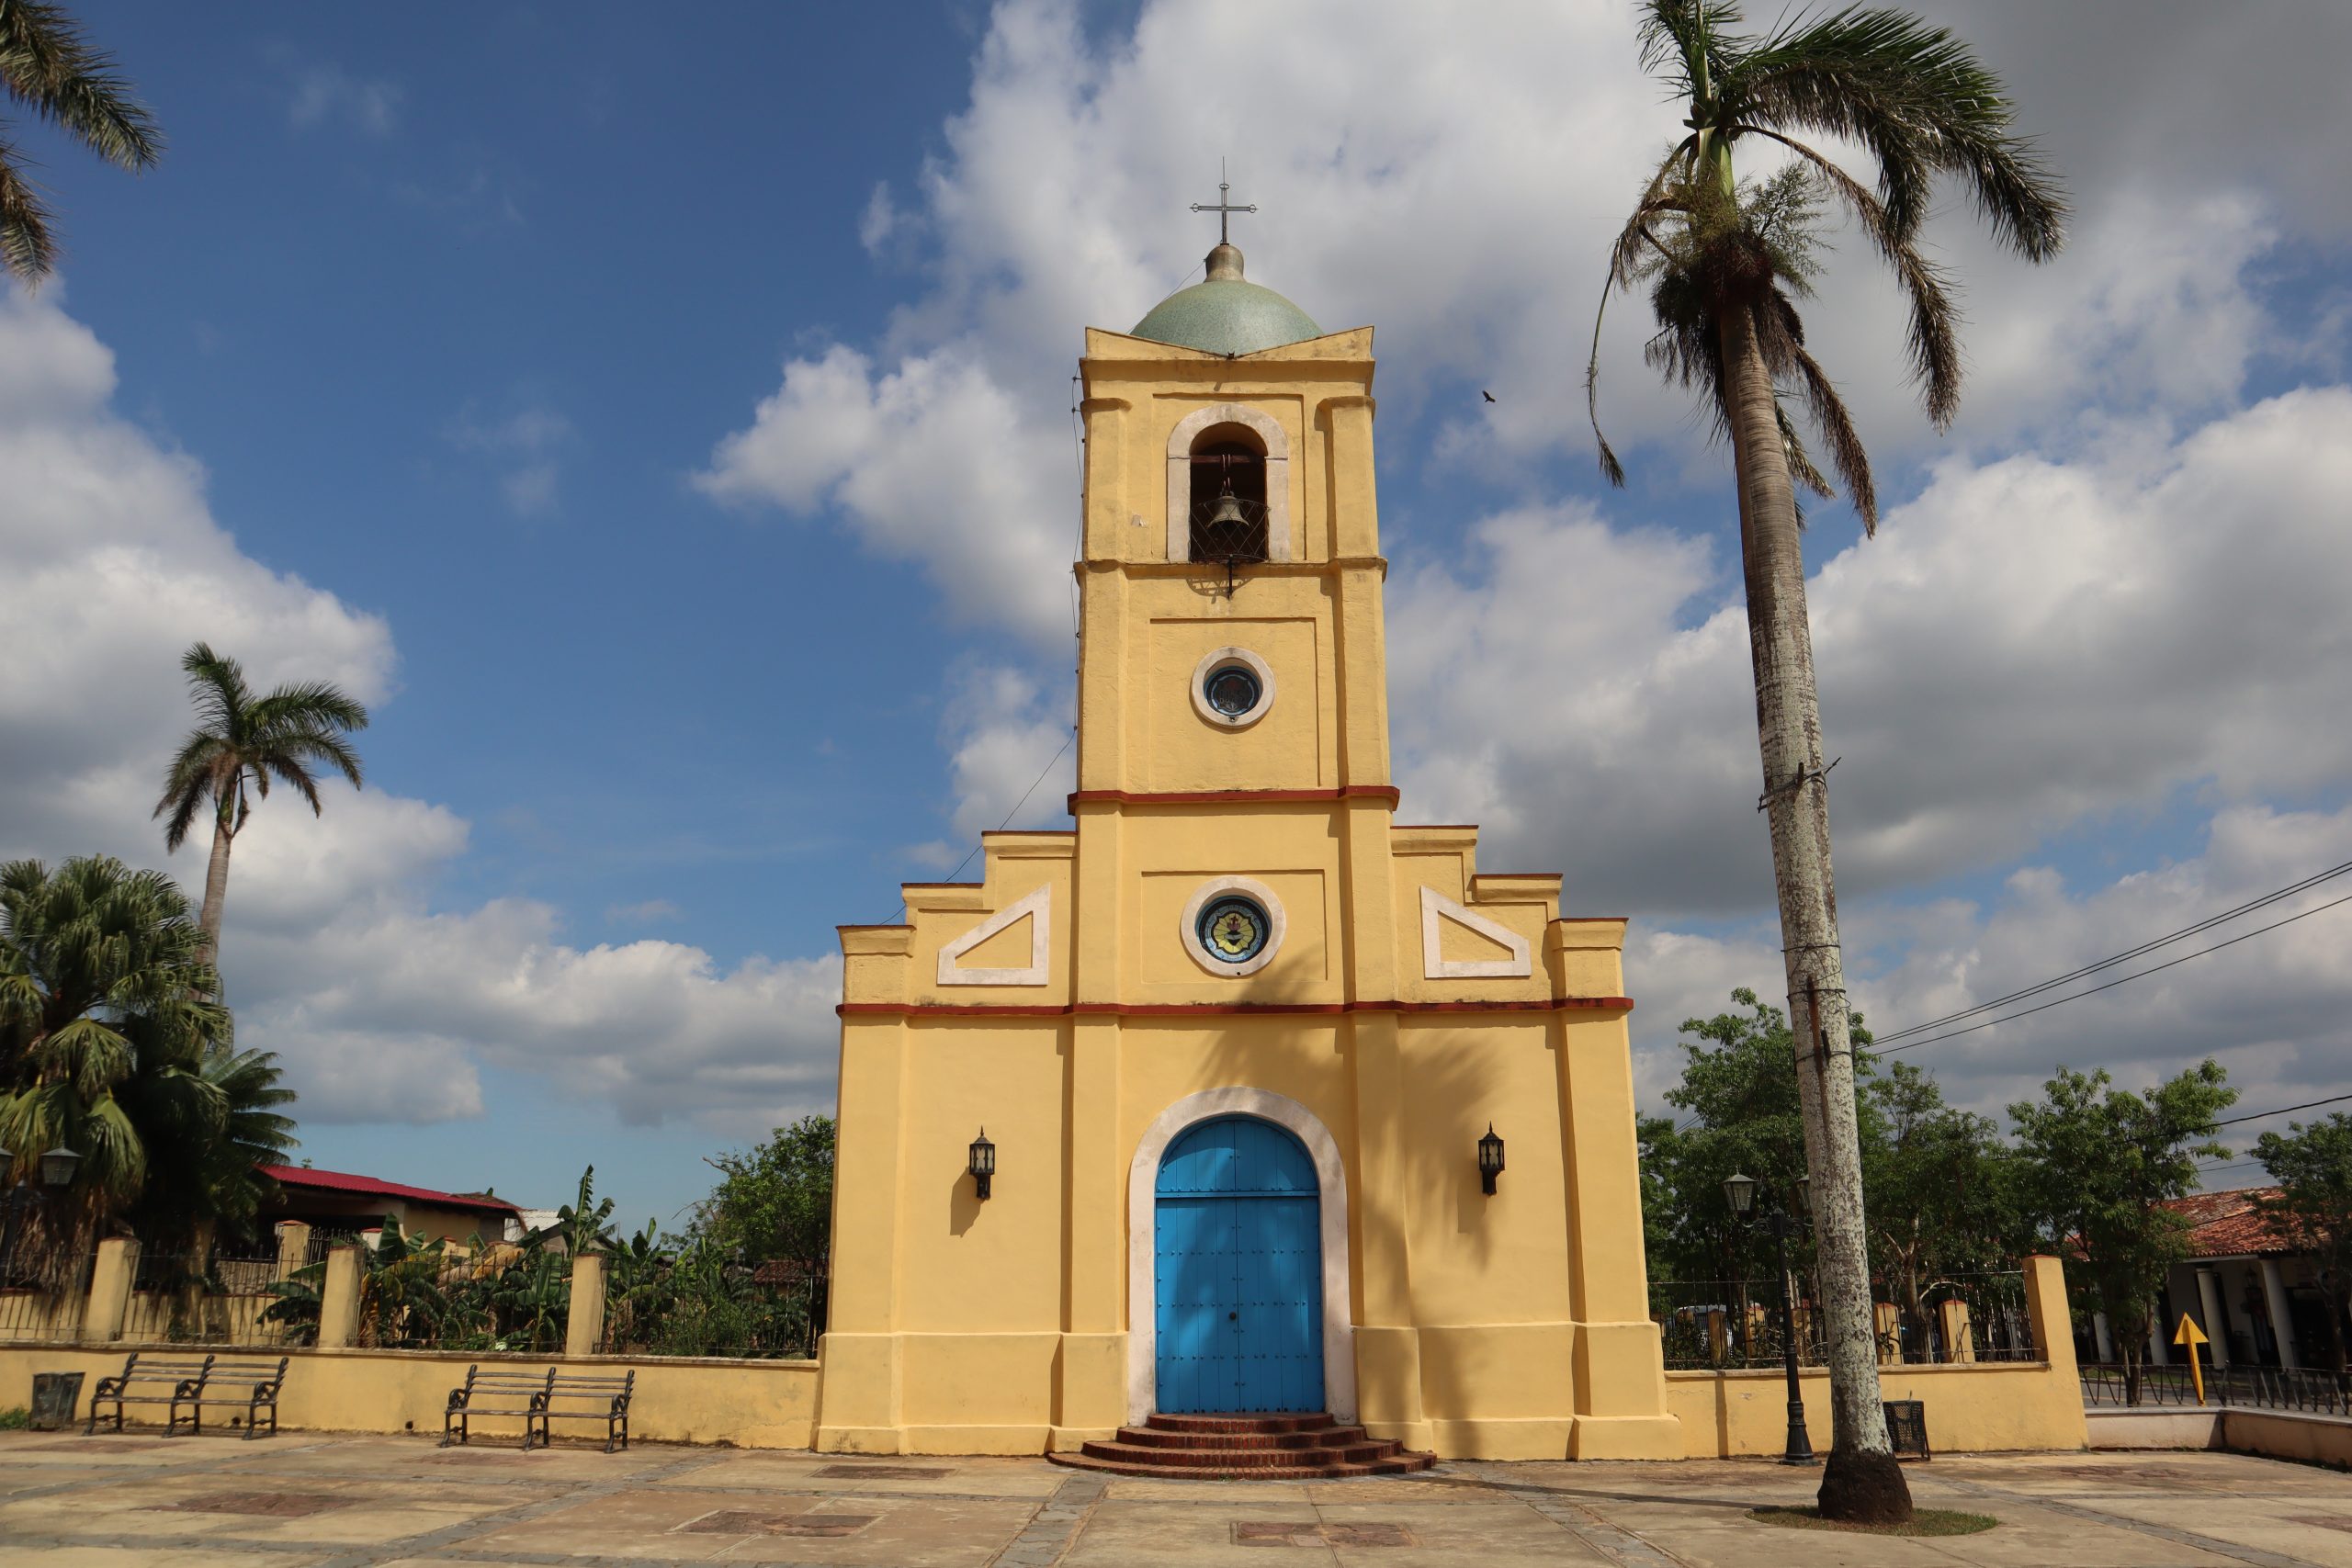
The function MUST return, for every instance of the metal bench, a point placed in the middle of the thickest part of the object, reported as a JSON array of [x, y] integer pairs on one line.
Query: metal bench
[[182, 1384], [505, 1392], [606, 1400], [533, 1396]]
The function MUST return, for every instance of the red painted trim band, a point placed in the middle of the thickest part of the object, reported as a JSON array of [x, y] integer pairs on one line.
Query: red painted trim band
[[1387, 793], [1214, 1010]]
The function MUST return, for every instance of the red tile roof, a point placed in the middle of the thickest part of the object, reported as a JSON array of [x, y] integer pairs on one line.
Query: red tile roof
[[303, 1176], [2225, 1224]]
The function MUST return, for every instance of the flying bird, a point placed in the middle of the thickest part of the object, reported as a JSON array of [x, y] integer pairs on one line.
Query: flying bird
[[1486, 394]]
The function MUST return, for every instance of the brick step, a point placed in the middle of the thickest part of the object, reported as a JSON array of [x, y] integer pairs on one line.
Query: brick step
[[1242, 1459], [1240, 1421], [1320, 1436], [1403, 1464]]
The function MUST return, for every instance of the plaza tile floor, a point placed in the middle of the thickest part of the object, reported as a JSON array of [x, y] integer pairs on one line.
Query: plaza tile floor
[[316, 1500]]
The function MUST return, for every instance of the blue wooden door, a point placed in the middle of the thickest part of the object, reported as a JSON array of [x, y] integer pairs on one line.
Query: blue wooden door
[[1238, 1281]]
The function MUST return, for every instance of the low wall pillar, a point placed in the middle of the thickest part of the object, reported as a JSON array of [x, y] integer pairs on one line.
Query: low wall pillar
[[293, 1246], [585, 1324], [339, 1298], [111, 1277], [2053, 1324], [1959, 1333]]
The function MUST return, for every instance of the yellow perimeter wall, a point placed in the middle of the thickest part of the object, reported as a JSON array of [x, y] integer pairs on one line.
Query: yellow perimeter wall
[[753, 1405]]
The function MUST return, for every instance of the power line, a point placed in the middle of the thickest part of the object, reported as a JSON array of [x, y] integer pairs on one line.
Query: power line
[[2095, 990], [2125, 957], [999, 827], [2258, 1115]]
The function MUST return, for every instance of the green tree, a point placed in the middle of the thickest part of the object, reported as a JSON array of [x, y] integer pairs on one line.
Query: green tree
[[1941, 1188], [776, 1201], [241, 741], [2100, 1163], [1740, 1113], [2312, 1208], [107, 1018], [1726, 264], [47, 67]]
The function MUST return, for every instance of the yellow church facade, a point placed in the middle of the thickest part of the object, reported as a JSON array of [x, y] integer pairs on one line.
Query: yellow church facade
[[1235, 1040]]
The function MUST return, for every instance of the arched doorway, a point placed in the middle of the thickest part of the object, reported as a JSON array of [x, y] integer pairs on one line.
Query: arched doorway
[[1238, 1270]]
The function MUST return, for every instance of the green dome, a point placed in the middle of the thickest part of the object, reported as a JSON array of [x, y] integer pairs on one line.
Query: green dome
[[1223, 314]]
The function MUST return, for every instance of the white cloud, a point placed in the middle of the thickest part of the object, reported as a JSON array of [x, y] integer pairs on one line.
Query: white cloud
[[383, 1006], [328, 94], [929, 462], [2028, 646]]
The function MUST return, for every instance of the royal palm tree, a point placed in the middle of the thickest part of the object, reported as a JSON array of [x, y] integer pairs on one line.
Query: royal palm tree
[[1726, 262], [47, 66], [239, 744], [106, 1000]]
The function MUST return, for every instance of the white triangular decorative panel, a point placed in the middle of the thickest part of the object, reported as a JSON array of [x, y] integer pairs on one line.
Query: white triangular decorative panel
[[1435, 906], [1038, 908]]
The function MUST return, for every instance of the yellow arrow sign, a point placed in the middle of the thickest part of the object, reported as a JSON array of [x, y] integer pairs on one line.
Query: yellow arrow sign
[[2189, 1335]]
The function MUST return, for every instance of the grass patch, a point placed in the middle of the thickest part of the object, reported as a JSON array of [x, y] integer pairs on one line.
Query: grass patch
[[16, 1420], [1924, 1521]]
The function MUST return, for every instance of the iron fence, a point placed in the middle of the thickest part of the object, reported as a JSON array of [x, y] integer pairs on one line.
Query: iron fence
[[206, 1298], [501, 1298], [2309, 1389], [1731, 1324], [43, 1293], [692, 1305]]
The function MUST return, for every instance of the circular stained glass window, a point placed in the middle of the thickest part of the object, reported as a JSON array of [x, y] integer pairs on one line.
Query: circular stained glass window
[[1233, 690], [1232, 687], [1233, 929]]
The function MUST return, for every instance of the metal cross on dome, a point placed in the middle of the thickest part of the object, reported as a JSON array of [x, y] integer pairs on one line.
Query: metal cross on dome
[[1223, 209]]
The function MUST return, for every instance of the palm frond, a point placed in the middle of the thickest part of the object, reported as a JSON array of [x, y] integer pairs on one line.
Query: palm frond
[[1933, 342], [218, 685], [188, 783], [1917, 96], [322, 746], [1846, 453], [27, 247], [309, 704], [1801, 465], [297, 775], [46, 63]]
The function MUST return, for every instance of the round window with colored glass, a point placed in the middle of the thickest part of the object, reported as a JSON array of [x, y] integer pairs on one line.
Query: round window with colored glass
[[1233, 690], [1232, 687], [1233, 929]]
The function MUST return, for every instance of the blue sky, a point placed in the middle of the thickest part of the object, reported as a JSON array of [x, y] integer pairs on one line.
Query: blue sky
[[672, 444]]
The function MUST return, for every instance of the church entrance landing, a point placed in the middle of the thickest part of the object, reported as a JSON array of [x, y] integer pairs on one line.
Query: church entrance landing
[[1237, 1271]]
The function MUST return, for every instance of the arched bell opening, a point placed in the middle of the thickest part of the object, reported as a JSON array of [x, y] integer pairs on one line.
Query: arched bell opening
[[1227, 500]]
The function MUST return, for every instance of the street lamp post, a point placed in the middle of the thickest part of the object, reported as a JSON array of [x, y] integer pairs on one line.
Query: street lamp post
[[1780, 1224]]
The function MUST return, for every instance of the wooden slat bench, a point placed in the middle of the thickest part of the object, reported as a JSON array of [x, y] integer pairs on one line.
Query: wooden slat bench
[[535, 1397], [188, 1384]]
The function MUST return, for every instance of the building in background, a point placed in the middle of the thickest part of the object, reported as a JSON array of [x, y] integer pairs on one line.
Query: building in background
[[334, 1202], [2255, 1293]]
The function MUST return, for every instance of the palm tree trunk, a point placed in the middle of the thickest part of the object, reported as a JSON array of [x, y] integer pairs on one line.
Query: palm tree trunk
[[1861, 1480], [215, 888]]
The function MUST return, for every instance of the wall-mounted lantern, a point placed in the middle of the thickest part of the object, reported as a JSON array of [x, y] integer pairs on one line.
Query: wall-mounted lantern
[[1490, 1160], [981, 1164]]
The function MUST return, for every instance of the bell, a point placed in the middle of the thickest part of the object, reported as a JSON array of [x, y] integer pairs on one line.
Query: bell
[[1227, 512]]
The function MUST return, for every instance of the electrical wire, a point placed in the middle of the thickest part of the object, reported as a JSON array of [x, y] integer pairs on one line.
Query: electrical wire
[[2258, 1115], [2124, 958], [2095, 990], [999, 827]]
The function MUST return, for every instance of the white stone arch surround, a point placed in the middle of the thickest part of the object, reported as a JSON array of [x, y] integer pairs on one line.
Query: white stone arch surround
[[1143, 1213], [1259, 424]]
